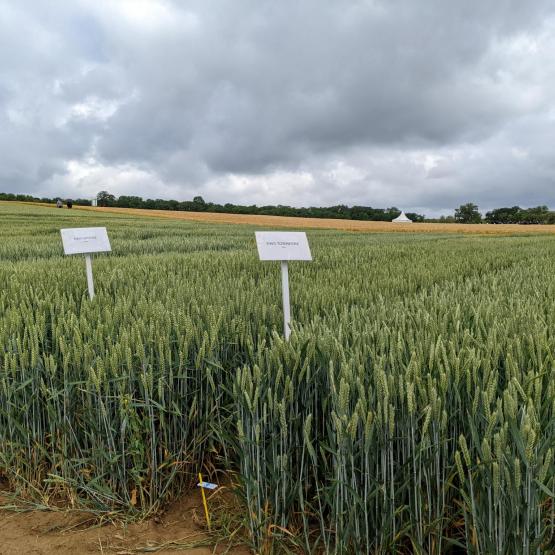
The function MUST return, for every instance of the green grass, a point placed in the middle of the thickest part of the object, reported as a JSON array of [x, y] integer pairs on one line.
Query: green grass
[[411, 412]]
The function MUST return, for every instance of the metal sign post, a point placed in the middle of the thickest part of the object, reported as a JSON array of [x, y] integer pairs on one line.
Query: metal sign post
[[90, 282], [285, 297]]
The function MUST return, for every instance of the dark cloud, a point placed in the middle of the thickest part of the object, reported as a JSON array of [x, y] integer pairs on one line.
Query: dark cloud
[[416, 104]]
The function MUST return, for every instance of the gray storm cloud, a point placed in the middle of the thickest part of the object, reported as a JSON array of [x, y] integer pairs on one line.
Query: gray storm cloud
[[417, 104]]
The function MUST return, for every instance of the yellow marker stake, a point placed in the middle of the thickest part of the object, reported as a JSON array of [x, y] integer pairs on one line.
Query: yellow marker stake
[[204, 500]]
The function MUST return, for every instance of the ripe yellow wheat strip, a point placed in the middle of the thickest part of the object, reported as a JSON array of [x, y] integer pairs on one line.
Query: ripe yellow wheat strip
[[329, 223]]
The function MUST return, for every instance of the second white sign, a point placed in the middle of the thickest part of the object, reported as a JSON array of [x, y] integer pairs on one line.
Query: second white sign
[[282, 245]]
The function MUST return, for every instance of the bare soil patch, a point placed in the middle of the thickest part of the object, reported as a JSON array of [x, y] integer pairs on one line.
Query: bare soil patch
[[179, 530]]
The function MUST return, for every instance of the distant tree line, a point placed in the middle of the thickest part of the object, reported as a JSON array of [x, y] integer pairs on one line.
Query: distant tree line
[[469, 214], [30, 198], [466, 213], [198, 204], [517, 215]]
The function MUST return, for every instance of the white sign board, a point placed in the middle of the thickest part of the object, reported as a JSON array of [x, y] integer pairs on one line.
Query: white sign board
[[85, 240], [282, 245]]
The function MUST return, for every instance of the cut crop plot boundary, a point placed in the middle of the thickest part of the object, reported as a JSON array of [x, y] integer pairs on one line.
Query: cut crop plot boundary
[[329, 223]]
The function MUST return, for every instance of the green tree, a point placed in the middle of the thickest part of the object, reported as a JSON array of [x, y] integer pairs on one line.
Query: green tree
[[505, 215], [104, 198], [199, 204], [536, 215], [128, 201], [468, 214]]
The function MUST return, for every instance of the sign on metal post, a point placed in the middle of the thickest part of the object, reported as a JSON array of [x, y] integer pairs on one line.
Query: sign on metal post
[[86, 240], [283, 246]]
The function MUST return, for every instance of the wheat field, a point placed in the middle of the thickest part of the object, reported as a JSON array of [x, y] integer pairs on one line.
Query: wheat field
[[412, 410]]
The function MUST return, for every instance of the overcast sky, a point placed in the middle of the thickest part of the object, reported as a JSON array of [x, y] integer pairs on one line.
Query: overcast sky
[[421, 105]]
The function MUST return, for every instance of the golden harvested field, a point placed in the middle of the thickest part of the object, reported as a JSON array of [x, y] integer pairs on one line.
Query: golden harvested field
[[346, 225]]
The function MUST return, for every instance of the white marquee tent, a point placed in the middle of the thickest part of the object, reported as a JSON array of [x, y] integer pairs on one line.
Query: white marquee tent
[[402, 219]]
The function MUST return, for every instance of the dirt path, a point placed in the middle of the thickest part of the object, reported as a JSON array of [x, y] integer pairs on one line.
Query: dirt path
[[70, 533]]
